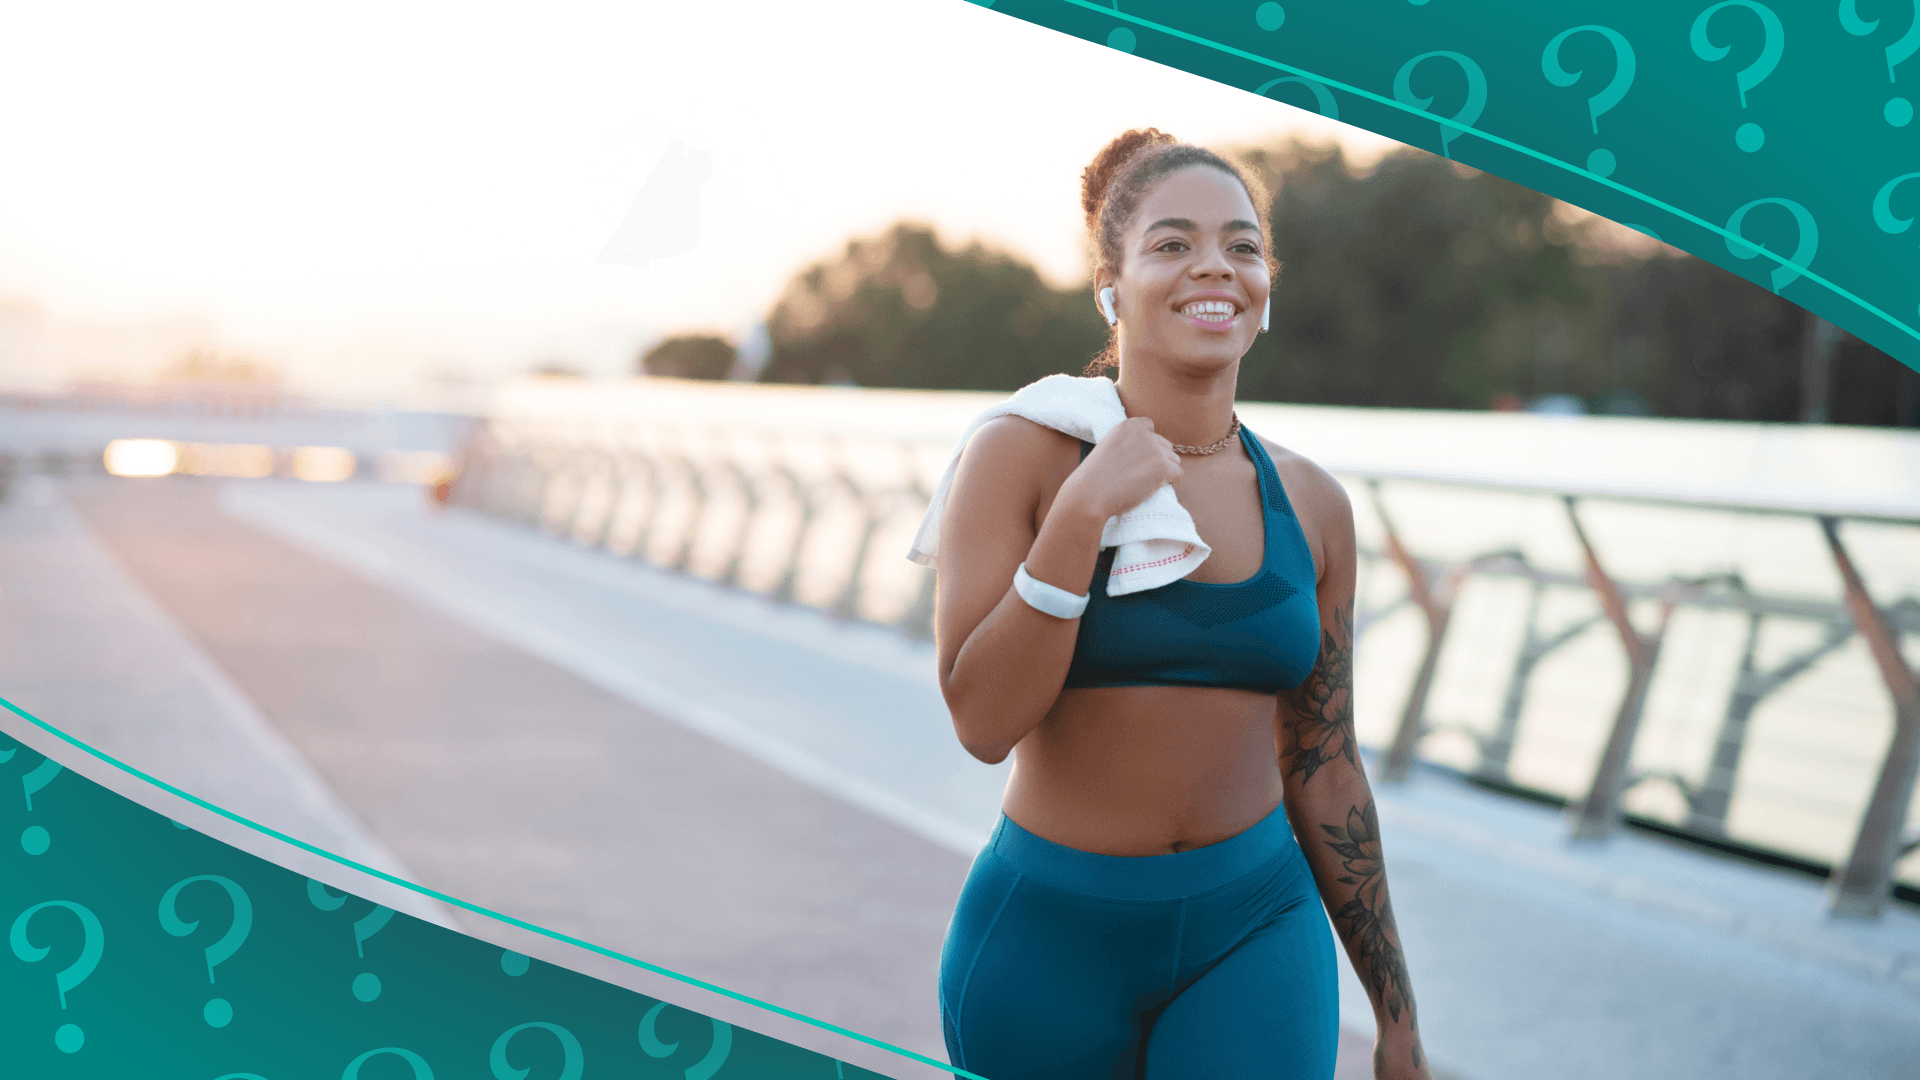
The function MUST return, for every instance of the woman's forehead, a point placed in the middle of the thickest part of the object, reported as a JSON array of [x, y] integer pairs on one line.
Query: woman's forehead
[[1200, 194]]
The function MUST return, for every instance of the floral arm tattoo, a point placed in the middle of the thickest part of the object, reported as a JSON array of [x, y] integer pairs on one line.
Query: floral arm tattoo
[[1322, 722], [1319, 726], [1367, 919]]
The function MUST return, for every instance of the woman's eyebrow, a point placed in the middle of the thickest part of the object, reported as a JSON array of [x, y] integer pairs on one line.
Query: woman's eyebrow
[[1236, 225]]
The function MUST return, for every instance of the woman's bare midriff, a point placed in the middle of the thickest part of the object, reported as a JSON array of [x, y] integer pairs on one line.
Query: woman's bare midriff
[[1147, 770]]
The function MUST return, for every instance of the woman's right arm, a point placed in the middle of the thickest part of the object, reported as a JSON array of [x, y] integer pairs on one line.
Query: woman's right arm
[[1002, 663]]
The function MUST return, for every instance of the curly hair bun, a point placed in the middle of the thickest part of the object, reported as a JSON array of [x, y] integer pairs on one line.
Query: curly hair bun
[[1098, 176]]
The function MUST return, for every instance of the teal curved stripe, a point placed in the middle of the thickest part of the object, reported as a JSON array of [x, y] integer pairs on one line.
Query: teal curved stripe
[[422, 890], [1909, 331]]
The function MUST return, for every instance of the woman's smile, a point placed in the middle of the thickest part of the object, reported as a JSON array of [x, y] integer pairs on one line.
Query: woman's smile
[[1213, 313]]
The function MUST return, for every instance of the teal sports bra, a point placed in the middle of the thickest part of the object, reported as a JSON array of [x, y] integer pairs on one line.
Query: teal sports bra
[[1261, 634]]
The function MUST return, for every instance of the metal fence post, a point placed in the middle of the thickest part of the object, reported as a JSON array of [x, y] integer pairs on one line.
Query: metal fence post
[[784, 589], [697, 483], [650, 508], [1437, 604], [1707, 808], [874, 514], [750, 496], [617, 482], [1861, 886], [1595, 816], [1496, 750]]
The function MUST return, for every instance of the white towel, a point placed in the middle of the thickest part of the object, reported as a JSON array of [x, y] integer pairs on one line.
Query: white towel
[[1157, 539]]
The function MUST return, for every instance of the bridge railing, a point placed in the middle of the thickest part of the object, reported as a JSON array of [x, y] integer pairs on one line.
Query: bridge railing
[[825, 522]]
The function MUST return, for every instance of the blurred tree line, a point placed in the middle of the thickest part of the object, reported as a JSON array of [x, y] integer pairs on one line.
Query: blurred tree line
[[1417, 283]]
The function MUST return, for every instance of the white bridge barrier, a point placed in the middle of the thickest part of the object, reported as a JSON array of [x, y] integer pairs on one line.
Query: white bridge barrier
[[1697, 623]]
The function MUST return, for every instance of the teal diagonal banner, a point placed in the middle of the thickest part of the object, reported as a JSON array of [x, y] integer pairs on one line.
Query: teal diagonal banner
[[140, 947], [1776, 140]]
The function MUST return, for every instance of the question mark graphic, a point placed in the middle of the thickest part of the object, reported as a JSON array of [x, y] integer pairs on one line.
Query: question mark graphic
[[1883, 206], [1600, 162], [420, 1069], [700, 1070], [7, 755], [1749, 137], [1121, 38], [1476, 95], [574, 1062], [1803, 249], [69, 1038], [1322, 96], [1899, 111], [218, 1012], [366, 985], [513, 963], [35, 841]]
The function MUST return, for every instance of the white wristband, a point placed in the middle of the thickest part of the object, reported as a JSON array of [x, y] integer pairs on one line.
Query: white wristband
[[1046, 598]]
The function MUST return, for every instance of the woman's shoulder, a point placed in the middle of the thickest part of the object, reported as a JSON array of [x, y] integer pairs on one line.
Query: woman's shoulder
[[1309, 486], [1321, 506], [1011, 454], [1011, 441]]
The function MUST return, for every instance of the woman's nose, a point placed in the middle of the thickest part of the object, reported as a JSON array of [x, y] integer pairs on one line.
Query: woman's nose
[[1213, 264]]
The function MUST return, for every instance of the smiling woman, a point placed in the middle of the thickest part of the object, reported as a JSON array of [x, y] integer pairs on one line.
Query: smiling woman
[[1186, 797]]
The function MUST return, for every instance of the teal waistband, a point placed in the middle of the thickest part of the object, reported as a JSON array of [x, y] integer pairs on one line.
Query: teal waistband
[[1145, 877]]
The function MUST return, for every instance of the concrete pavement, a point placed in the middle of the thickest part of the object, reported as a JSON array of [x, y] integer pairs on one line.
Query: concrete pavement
[[516, 785]]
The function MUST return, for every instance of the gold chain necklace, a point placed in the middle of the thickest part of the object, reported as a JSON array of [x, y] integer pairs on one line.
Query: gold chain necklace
[[1212, 448]]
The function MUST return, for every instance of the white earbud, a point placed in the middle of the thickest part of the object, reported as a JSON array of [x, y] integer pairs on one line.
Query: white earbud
[[1265, 313], [1106, 305]]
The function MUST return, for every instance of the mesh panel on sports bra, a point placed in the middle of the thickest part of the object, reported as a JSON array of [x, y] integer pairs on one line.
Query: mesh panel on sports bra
[[1277, 499], [1210, 608]]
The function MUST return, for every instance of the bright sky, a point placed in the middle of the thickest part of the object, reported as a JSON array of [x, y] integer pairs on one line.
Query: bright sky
[[367, 192]]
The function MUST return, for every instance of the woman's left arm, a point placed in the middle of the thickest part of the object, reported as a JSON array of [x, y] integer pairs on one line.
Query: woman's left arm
[[1331, 805]]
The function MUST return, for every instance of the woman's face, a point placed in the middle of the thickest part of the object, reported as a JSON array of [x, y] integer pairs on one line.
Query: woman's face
[[1193, 272]]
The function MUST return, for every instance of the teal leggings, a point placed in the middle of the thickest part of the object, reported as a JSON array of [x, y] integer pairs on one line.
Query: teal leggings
[[1066, 965]]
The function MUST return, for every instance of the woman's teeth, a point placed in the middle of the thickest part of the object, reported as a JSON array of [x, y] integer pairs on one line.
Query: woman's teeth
[[1209, 310]]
